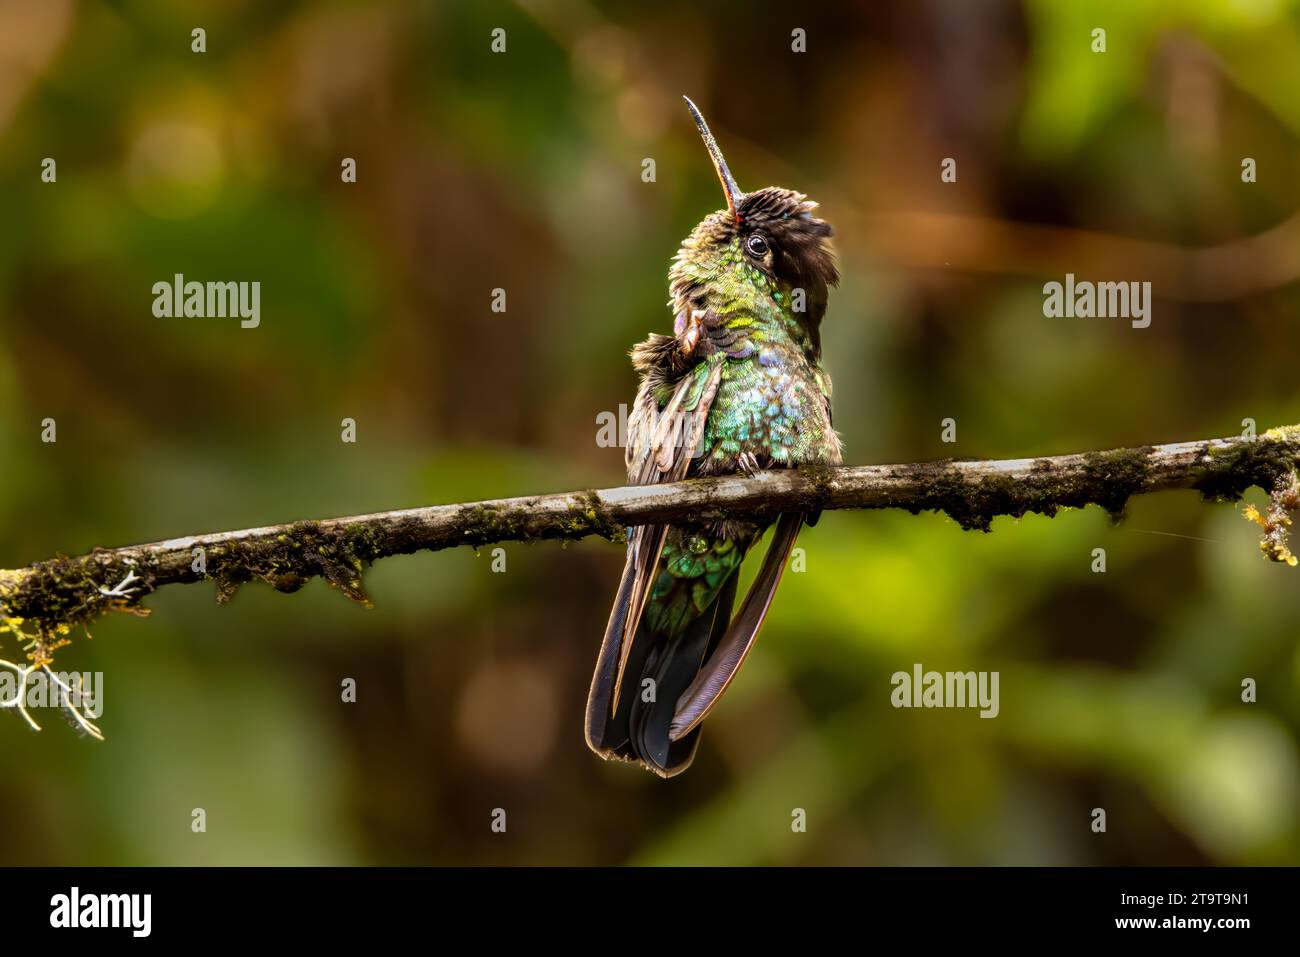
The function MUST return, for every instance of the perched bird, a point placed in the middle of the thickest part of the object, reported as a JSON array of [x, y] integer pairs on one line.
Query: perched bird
[[739, 386]]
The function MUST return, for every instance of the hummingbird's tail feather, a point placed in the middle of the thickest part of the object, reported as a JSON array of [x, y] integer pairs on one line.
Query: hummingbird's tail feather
[[712, 679], [645, 544], [666, 683], [637, 729], [602, 736], [672, 666]]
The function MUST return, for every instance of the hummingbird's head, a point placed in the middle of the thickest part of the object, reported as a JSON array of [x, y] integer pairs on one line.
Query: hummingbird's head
[[767, 243]]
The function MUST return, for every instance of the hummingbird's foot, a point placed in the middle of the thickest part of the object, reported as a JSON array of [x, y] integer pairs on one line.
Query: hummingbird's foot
[[748, 463]]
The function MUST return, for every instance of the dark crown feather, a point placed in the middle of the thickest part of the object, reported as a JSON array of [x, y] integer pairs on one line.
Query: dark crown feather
[[803, 257]]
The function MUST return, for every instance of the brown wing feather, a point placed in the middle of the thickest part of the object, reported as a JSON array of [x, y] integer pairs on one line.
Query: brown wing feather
[[673, 445]]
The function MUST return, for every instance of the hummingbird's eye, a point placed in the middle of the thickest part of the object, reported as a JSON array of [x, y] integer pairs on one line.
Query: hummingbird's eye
[[757, 246]]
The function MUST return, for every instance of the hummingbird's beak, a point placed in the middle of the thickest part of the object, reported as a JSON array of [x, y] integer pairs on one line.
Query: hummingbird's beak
[[733, 192]]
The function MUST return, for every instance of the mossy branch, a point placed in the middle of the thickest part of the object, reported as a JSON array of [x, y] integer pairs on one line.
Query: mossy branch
[[44, 601]]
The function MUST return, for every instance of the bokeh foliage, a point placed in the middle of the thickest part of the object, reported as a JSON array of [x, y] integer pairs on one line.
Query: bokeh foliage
[[523, 171]]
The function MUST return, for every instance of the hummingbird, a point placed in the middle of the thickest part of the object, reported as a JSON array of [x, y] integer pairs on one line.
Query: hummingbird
[[738, 387]]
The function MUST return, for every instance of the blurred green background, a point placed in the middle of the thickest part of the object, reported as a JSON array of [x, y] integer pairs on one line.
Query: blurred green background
[[522, 171]]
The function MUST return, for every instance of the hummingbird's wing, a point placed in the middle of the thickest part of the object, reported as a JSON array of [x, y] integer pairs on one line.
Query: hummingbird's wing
[[661, 445], [667, 443], [713, 678]]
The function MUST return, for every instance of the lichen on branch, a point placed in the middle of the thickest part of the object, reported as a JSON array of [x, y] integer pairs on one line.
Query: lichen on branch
[[1284, 500]]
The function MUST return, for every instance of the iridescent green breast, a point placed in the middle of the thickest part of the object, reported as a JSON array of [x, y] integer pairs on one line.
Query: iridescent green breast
[[772, 405]]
